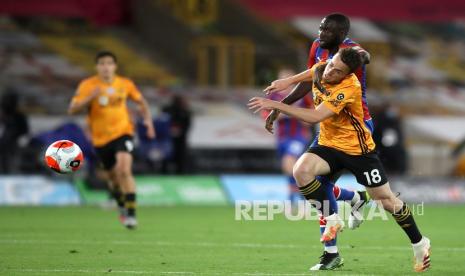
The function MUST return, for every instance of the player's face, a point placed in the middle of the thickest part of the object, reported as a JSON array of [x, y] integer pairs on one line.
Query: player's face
[[329, 34], [335, 71], [106, 67]]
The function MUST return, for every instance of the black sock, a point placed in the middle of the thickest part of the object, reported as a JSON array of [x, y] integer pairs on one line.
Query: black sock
[[118, 196], [405, 220], [314, 192], [130, 204]]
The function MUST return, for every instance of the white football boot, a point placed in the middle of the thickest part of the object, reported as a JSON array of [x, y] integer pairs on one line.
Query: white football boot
[[421, 255], [334, 225]]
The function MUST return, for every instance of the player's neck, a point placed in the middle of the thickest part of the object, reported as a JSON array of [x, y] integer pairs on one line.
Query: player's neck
[[108, 80], [332, 51]]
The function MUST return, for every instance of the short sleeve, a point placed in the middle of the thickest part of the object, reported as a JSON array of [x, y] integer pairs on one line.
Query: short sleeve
[[340, 98], [83, 91], [133, 92]]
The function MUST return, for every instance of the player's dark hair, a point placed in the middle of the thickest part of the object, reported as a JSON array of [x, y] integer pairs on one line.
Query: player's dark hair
[[351, 58], [341, 20], [102, 54]]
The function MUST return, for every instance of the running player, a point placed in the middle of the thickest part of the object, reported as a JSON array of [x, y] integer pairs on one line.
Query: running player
[[345, 142], [104, 98], [333, 33]]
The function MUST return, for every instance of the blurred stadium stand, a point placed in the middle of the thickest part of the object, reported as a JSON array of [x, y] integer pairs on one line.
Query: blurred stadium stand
[[217, 54]]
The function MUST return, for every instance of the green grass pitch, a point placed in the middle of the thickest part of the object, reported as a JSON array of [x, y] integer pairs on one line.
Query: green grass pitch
[[208, 241]]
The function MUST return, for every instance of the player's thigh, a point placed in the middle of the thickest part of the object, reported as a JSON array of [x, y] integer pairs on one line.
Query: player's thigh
[[106, 156], [367, 168], [124, 146], [310, 164], [124, 161]]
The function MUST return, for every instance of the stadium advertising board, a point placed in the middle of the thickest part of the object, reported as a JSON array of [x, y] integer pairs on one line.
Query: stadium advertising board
[[36, 190], [169, 190], [255, 187]]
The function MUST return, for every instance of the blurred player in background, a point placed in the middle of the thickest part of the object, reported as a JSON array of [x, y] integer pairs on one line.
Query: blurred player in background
[[333, 32], [13, 126], [104, 98], [345, 142], [292, 136]]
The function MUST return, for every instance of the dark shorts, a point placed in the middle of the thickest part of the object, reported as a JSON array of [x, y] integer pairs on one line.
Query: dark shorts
[[107, 152], [367, 168]]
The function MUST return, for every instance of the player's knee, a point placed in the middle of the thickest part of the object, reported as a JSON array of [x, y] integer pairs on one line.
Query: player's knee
[[303, 173], [125, 173], [121, 172]]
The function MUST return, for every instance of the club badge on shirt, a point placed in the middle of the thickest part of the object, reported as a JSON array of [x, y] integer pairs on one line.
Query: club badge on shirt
[[103, 100]]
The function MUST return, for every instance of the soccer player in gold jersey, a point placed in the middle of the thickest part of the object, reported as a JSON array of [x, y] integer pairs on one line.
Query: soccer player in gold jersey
[[344, 143], [104, 98]]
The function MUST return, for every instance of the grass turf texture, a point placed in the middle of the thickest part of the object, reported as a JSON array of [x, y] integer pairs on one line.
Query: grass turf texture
[[208, 241]]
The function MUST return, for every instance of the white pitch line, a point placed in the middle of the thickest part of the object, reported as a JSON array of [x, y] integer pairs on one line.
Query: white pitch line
[[213, 244]]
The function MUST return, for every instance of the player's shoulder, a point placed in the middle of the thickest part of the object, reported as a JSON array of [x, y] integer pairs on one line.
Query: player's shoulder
[[89, 81], [348, 42], [124, 80], [324, 62], [350, 82], [316, 42]]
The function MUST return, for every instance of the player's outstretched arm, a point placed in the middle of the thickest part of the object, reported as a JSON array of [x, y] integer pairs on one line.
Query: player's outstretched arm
[[281, 84], [144, 110], [311, 116], [299, 91]]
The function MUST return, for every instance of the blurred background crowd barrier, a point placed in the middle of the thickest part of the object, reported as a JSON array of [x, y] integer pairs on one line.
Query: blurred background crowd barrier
[[198, 62]]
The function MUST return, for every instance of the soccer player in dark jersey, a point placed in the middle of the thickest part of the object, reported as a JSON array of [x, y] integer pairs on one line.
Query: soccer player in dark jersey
[[104, 97], [345, 142], [333, 33]]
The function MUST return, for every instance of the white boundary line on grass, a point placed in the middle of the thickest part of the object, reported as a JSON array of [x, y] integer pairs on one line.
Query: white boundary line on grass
[[212, 244]]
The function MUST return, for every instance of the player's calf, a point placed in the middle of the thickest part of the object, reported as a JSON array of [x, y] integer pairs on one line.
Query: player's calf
[[404, 218]]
